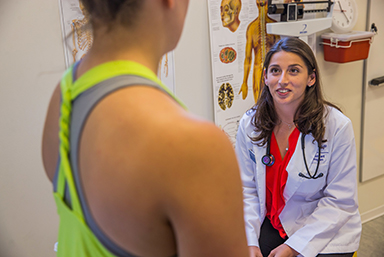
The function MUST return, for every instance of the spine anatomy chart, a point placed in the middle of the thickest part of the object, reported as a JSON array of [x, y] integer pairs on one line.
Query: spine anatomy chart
[[258, 43]]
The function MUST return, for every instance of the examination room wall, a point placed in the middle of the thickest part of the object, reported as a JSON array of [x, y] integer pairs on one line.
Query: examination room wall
[[32, 62]]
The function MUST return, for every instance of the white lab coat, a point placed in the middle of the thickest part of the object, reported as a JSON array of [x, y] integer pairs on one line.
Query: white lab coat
[[320, 215]]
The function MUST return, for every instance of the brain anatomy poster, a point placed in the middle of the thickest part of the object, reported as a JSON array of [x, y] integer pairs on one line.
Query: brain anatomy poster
[[239, 43], [77, 40]]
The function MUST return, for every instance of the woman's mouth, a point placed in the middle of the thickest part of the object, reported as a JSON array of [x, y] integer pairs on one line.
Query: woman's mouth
[[282, 90]]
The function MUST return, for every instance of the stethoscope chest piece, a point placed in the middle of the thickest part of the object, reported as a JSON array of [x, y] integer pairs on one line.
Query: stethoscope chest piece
[[268, 159]]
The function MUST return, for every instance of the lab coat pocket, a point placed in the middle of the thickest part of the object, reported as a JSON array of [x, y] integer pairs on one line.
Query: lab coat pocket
[[309, 188], [313, 184]]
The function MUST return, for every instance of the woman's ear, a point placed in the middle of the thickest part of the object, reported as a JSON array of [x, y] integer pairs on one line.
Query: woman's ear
[[265, 77], [312, 79]]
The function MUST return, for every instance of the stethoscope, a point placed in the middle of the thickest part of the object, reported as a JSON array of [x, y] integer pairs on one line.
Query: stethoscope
[[268, 159]]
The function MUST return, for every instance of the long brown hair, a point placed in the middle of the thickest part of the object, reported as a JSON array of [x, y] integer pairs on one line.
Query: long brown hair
[[310, 113]]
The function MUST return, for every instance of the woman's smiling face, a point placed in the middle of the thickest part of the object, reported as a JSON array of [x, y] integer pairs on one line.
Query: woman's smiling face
[[287, 78]]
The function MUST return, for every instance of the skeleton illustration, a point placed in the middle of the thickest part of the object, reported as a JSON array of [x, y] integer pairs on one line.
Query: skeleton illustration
[[260, 42], [226, 96], [165, 58], [81, 37], [230, 10]]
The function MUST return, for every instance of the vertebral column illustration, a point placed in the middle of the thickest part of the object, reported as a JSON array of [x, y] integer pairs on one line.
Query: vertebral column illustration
[[81, 37], [260, 42]]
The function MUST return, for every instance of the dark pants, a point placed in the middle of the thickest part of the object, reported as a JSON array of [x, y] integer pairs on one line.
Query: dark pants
[[270, 239]]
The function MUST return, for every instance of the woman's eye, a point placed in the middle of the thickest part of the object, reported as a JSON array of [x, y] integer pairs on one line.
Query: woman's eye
[[274, 70], [294, 70]]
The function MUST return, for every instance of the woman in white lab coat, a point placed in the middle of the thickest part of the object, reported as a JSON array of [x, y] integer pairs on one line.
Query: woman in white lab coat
[[299, 199]]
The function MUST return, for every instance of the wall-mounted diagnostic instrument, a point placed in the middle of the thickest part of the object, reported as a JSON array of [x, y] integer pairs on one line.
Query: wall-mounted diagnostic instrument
[[291, 18]]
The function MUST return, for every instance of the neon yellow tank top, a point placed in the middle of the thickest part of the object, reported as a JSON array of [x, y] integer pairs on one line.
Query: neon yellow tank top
[[75, 237]]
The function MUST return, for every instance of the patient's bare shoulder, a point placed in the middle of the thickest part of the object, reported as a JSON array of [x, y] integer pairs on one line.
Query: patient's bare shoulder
[[50, 139], [170, 167]]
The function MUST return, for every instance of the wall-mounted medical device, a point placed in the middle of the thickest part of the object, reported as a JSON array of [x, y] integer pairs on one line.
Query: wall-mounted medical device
[[292, 22], [295, 11], [346, 45]]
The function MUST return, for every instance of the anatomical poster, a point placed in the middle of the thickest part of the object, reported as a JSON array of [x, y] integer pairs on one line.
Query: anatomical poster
[[77, 40], [239, 43], [166, 70]]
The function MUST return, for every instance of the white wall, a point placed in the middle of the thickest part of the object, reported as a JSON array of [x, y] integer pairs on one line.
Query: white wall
[[32, 62]]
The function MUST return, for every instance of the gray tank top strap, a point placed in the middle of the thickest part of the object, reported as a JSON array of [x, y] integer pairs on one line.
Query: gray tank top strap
[[81, 108]]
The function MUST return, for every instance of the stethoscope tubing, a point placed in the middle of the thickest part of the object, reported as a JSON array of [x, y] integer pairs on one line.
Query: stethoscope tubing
[[305, 161]]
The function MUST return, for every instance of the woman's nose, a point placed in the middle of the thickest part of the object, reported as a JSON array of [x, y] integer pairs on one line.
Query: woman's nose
[[283, 78]]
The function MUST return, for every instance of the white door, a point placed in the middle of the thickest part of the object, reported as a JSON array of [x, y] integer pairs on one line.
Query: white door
[[373, 115]]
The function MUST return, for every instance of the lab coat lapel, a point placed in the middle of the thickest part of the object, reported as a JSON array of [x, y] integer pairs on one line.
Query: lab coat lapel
[[311, 151], [260, 174], [296, 165]]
